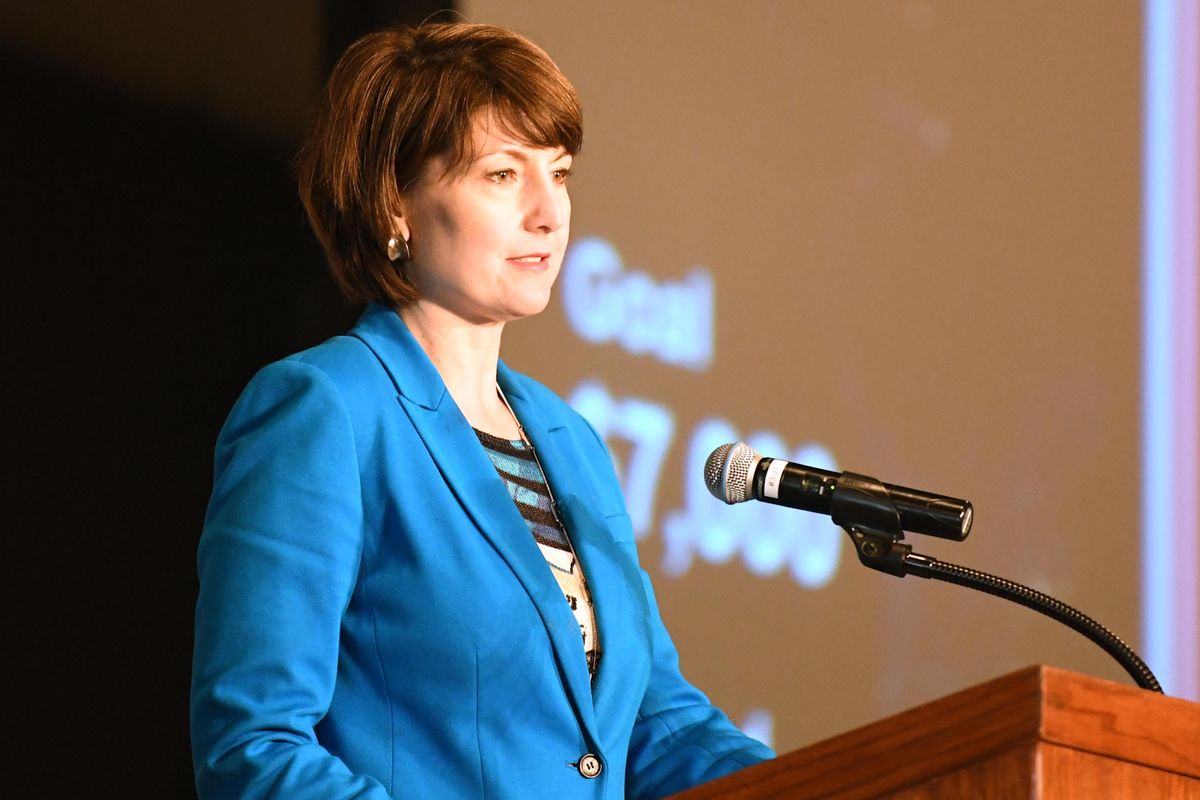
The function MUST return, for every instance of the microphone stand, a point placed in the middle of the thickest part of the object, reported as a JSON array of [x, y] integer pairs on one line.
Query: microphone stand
[[861, 506]]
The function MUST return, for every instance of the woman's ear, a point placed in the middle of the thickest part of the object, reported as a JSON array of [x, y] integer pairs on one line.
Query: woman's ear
[[397, 244], [400, 226]]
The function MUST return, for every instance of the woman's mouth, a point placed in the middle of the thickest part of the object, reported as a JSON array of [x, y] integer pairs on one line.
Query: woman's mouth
[[532, 260]]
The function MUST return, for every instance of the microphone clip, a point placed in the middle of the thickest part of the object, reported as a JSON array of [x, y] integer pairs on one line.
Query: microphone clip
[[862, 507]]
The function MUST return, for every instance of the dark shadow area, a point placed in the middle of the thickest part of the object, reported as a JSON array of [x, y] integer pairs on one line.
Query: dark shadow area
[[346, 21], [158, 263], [155, 262]]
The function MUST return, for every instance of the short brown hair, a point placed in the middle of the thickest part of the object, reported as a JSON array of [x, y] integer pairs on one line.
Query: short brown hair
[[399, 98]]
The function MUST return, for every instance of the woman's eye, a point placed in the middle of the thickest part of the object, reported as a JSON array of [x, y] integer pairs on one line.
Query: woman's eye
[[503, 175], [561, 175]]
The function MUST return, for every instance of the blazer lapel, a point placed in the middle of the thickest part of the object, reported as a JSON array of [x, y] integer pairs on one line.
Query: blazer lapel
[[613, 578], [471, 477], [621, 612]]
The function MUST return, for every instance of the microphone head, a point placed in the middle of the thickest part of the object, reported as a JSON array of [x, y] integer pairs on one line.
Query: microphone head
[[728, 471]]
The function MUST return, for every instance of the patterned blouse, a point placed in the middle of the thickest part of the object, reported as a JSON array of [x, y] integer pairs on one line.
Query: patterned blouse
[[526, 484]]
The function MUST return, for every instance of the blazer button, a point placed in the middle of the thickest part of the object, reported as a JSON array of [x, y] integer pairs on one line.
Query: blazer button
[[590, 766]]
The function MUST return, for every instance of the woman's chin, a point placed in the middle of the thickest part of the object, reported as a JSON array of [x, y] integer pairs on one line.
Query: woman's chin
[[510, 310], [529, 306], [528, 300]]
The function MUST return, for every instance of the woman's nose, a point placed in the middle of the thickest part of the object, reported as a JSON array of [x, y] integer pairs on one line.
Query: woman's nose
[[549, 206]]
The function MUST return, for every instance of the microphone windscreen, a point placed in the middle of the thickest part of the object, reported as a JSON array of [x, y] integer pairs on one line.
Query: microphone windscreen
[[727, 472]]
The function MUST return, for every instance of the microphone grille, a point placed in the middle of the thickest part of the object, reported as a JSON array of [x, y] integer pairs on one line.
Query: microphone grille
[[727, 472]]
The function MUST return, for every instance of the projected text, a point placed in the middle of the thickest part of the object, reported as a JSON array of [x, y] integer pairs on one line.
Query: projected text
[[673, 321]]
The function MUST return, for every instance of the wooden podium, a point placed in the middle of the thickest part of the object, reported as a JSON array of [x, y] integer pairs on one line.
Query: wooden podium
[[1040, 732]]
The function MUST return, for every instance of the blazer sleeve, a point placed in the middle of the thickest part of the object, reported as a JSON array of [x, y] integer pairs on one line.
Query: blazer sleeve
[[680, 739], [278, 560]]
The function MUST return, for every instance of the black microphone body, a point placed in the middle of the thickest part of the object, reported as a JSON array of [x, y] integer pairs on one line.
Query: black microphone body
[[812, 489], [783, 483]]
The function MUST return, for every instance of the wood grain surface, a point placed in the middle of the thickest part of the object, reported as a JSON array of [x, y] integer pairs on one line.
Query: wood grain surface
[[1040, 732]]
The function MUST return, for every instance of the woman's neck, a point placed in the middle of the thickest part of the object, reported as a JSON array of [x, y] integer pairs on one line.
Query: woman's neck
[[465, 355]]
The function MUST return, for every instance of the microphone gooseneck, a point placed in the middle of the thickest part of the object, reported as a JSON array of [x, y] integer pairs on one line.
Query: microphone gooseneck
[[875, 515]]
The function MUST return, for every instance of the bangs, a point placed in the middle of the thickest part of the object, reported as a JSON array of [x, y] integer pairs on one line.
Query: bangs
[[540, 123], [523, 92]]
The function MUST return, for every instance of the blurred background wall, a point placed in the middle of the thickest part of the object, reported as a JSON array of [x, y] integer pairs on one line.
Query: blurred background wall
[[920, 224]]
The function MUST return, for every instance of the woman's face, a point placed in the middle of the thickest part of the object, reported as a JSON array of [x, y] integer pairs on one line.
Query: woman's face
[[487, 242]]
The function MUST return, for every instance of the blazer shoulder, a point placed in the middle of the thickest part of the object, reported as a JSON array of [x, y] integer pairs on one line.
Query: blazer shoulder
[[341, 371], [344, 364]]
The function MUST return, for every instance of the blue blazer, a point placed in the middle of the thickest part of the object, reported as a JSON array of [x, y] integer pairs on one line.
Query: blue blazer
[[375, 619]]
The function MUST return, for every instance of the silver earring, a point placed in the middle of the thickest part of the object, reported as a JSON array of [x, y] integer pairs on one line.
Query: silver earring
[[397, 249]]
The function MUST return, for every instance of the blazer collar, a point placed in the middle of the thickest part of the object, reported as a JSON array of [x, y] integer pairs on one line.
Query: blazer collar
[[412, 372], [455, 449]]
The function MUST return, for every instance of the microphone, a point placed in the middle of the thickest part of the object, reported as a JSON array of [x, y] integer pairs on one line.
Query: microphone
[[735, 473]]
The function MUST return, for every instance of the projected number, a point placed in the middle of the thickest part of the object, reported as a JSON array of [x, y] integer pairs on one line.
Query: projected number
[[766, 537], [647, 427]]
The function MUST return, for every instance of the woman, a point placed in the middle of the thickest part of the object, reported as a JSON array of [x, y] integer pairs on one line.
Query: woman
[[375, 618]]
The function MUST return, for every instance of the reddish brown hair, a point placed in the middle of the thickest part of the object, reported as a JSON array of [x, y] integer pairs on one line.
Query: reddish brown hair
[[399, 98]]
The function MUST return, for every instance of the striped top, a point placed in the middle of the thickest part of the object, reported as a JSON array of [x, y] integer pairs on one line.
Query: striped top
[[518, 468]]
